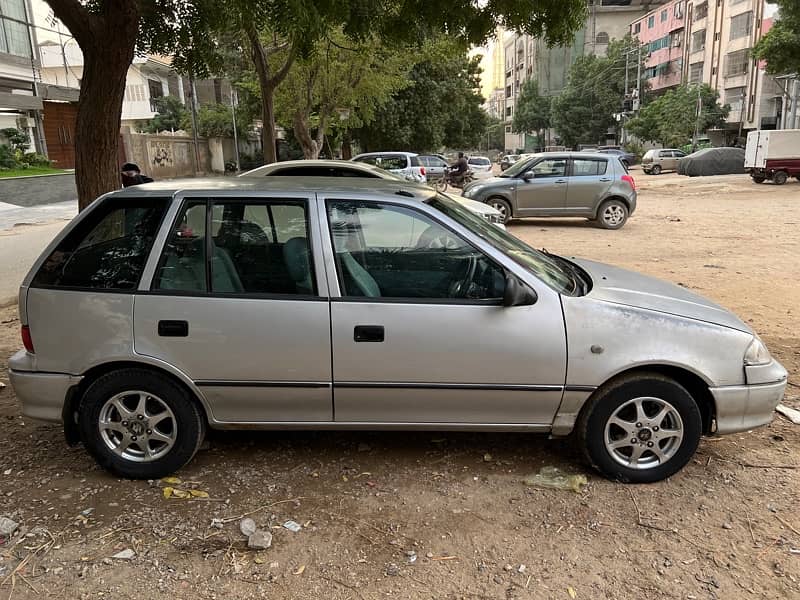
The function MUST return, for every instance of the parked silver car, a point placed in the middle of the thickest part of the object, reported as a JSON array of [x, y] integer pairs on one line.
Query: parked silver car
[[406, 164], [561, 184], [334, 303], [655, 162]]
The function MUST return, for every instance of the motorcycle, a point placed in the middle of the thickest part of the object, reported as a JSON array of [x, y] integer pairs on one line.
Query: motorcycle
[[450, 179]]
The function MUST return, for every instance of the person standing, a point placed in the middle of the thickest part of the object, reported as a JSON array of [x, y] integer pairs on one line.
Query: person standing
[[132, 175]]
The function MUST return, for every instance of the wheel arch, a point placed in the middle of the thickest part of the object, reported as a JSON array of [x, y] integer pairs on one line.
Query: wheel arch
[[502, 197], [622, 199], [76, 393], [697, 387]]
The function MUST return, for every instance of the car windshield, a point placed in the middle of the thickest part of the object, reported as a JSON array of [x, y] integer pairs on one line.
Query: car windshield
[[517, 168], [546, 267]]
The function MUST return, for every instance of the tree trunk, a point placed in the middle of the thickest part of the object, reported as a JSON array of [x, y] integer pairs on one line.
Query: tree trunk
[[347, 147], [307, 143], [107, 40], [268, 138]]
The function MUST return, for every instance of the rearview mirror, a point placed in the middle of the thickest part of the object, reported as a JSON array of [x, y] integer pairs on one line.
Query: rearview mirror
[[517, 293], [528, 175]]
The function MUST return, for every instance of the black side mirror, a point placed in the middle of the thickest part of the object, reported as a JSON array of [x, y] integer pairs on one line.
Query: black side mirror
[[528, 175], [517, 293]]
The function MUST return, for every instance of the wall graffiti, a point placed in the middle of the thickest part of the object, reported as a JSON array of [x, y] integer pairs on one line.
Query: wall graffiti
[[162, 155]]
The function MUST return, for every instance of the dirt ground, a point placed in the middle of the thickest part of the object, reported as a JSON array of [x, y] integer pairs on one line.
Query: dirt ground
[[447, 516]]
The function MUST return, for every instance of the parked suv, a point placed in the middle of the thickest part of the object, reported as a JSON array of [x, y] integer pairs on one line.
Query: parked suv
[[555, 184], [655, 162], [406, 164], [350, 303]]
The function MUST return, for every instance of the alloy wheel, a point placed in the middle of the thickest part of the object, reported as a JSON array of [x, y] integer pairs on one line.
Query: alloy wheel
[[613, 215], [137, 426]]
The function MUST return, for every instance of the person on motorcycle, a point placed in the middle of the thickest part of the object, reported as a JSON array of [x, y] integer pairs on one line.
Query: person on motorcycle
[[459, 169]]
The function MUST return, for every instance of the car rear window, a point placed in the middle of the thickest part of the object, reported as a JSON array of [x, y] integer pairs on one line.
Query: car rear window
[[108, 249], [479, 161], [415, 161]]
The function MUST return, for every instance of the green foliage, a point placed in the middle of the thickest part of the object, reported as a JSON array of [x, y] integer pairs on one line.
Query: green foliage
[[584, 111], [171, 115], [780, 46], [532, 111], [635, 147], [440, 107], [18, 138], [13, 156], [216, 120], [495, 128], [34, 159], [7, 157], [671, 119]]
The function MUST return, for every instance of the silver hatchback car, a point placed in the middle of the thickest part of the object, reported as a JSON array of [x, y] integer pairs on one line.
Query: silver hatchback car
[[337, 303], [562, 184]]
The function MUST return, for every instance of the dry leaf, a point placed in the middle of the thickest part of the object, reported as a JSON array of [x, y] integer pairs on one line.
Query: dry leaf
[[176, 493], [198, 494], [167, 491], [300, 570], [571, 592], [171, 480]]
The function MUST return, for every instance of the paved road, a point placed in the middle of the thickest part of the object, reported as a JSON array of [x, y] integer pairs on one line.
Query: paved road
[[19, 247]]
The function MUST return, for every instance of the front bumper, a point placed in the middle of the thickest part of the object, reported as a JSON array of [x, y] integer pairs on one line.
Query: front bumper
[[42, 395], [744, 407]]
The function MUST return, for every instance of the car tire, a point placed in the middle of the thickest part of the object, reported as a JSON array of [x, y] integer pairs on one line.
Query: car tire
[[780, 177], [139, 424], [655, 170], [759, 179], [641, 428], [612, 214], [503, 206]]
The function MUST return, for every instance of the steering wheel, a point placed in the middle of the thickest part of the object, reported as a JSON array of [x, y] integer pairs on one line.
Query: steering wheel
[[460, 287], [435, 237]]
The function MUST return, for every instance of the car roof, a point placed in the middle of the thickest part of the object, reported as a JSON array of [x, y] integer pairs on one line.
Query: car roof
[[232, 185], [385, 152], [263, 170], [568, 154]]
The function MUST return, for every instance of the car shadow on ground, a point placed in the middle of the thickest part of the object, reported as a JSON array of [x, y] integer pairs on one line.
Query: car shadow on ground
[[551, 222]]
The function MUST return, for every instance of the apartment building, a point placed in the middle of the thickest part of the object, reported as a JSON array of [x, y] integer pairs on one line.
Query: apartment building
[[710, 41], [527, 57]]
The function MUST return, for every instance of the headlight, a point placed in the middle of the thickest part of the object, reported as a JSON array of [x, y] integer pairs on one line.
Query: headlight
[[757, 353], [471, 191]]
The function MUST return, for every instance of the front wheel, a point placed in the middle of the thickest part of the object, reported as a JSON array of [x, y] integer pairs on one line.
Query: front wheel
[[612, 214], [780, 177], [655, 170], [140, 424], [642, 428], [441, 185], [503, 207]]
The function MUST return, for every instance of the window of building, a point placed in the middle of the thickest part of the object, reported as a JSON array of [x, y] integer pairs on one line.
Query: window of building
[[651, 21], [734, 97], [508, 128], [637, 27], [699, 40], [701, 11], [601, 38], [664, 15], [695, 72], [14, 37], [736, 63], [108, 249], [678, 10], [741, 25], [508, 111]]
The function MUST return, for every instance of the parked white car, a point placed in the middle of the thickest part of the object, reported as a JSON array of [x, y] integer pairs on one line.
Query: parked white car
[[406, 164], [480, 166]]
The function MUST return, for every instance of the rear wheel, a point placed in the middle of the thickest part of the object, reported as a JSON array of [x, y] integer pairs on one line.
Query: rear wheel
[[640, 429], [139, 424], [780, 177], [655, 170], [502, 206], [612, 214], [441, 185]]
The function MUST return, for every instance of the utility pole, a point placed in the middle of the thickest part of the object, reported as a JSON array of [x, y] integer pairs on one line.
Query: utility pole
[[741, 115], [796, 97], [627, 54], [235, 135], [697, 120], [639, 78], [194, 123]]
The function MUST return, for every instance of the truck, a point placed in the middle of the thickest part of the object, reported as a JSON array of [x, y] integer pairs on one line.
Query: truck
[[773, 155]]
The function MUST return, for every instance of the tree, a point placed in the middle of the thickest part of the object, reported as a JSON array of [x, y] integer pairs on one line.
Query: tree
[[595, 90], [780, 46], [532, 110], [671, 119], [110, 31], [441, 106], [353, 76], [171, 115]]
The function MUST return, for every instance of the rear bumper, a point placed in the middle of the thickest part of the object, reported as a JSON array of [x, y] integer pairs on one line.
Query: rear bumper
[[41, 395], [743, 407]]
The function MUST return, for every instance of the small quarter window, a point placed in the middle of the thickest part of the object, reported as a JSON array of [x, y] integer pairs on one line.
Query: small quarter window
[[108, 249]]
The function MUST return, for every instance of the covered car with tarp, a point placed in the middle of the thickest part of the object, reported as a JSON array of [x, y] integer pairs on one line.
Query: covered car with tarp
[[712, 161]]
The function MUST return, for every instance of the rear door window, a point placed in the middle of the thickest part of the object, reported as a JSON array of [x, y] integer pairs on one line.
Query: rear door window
[[588, 167], [108, 249]]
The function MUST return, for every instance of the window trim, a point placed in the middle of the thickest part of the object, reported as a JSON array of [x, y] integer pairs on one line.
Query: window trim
[[342, 297], [209, 200]]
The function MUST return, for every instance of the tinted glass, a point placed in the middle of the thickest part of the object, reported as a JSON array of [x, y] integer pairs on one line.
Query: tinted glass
[[108, 249], [256, 247], [479, 161], [550, 167], [587, 167], [386, 161], [385, 251], [320, 171]]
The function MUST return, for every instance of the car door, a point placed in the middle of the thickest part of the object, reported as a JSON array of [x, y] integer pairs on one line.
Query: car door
[[666, 159], [546, 192], [676, 156], [418, 330], [589, 180], [236, 303]]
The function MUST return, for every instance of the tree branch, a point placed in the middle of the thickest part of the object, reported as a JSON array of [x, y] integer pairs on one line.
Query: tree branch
[[75, 17], [284, 70]]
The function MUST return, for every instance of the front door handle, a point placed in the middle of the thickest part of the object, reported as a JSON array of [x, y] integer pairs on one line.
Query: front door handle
[[173, 328], [368, 333], [605, 179], [560, 181]]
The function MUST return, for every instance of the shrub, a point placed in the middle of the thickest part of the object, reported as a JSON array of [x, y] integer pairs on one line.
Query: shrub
[[34, 159], [7, 157]]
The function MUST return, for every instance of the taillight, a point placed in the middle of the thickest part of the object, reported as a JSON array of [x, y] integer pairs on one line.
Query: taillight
[[629, 179], [422, 170], [27, 341]]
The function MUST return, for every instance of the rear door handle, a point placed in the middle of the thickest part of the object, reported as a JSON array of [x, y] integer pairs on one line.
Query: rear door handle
[[605, 179], [368, 333], [560, 181], [173, 328]]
